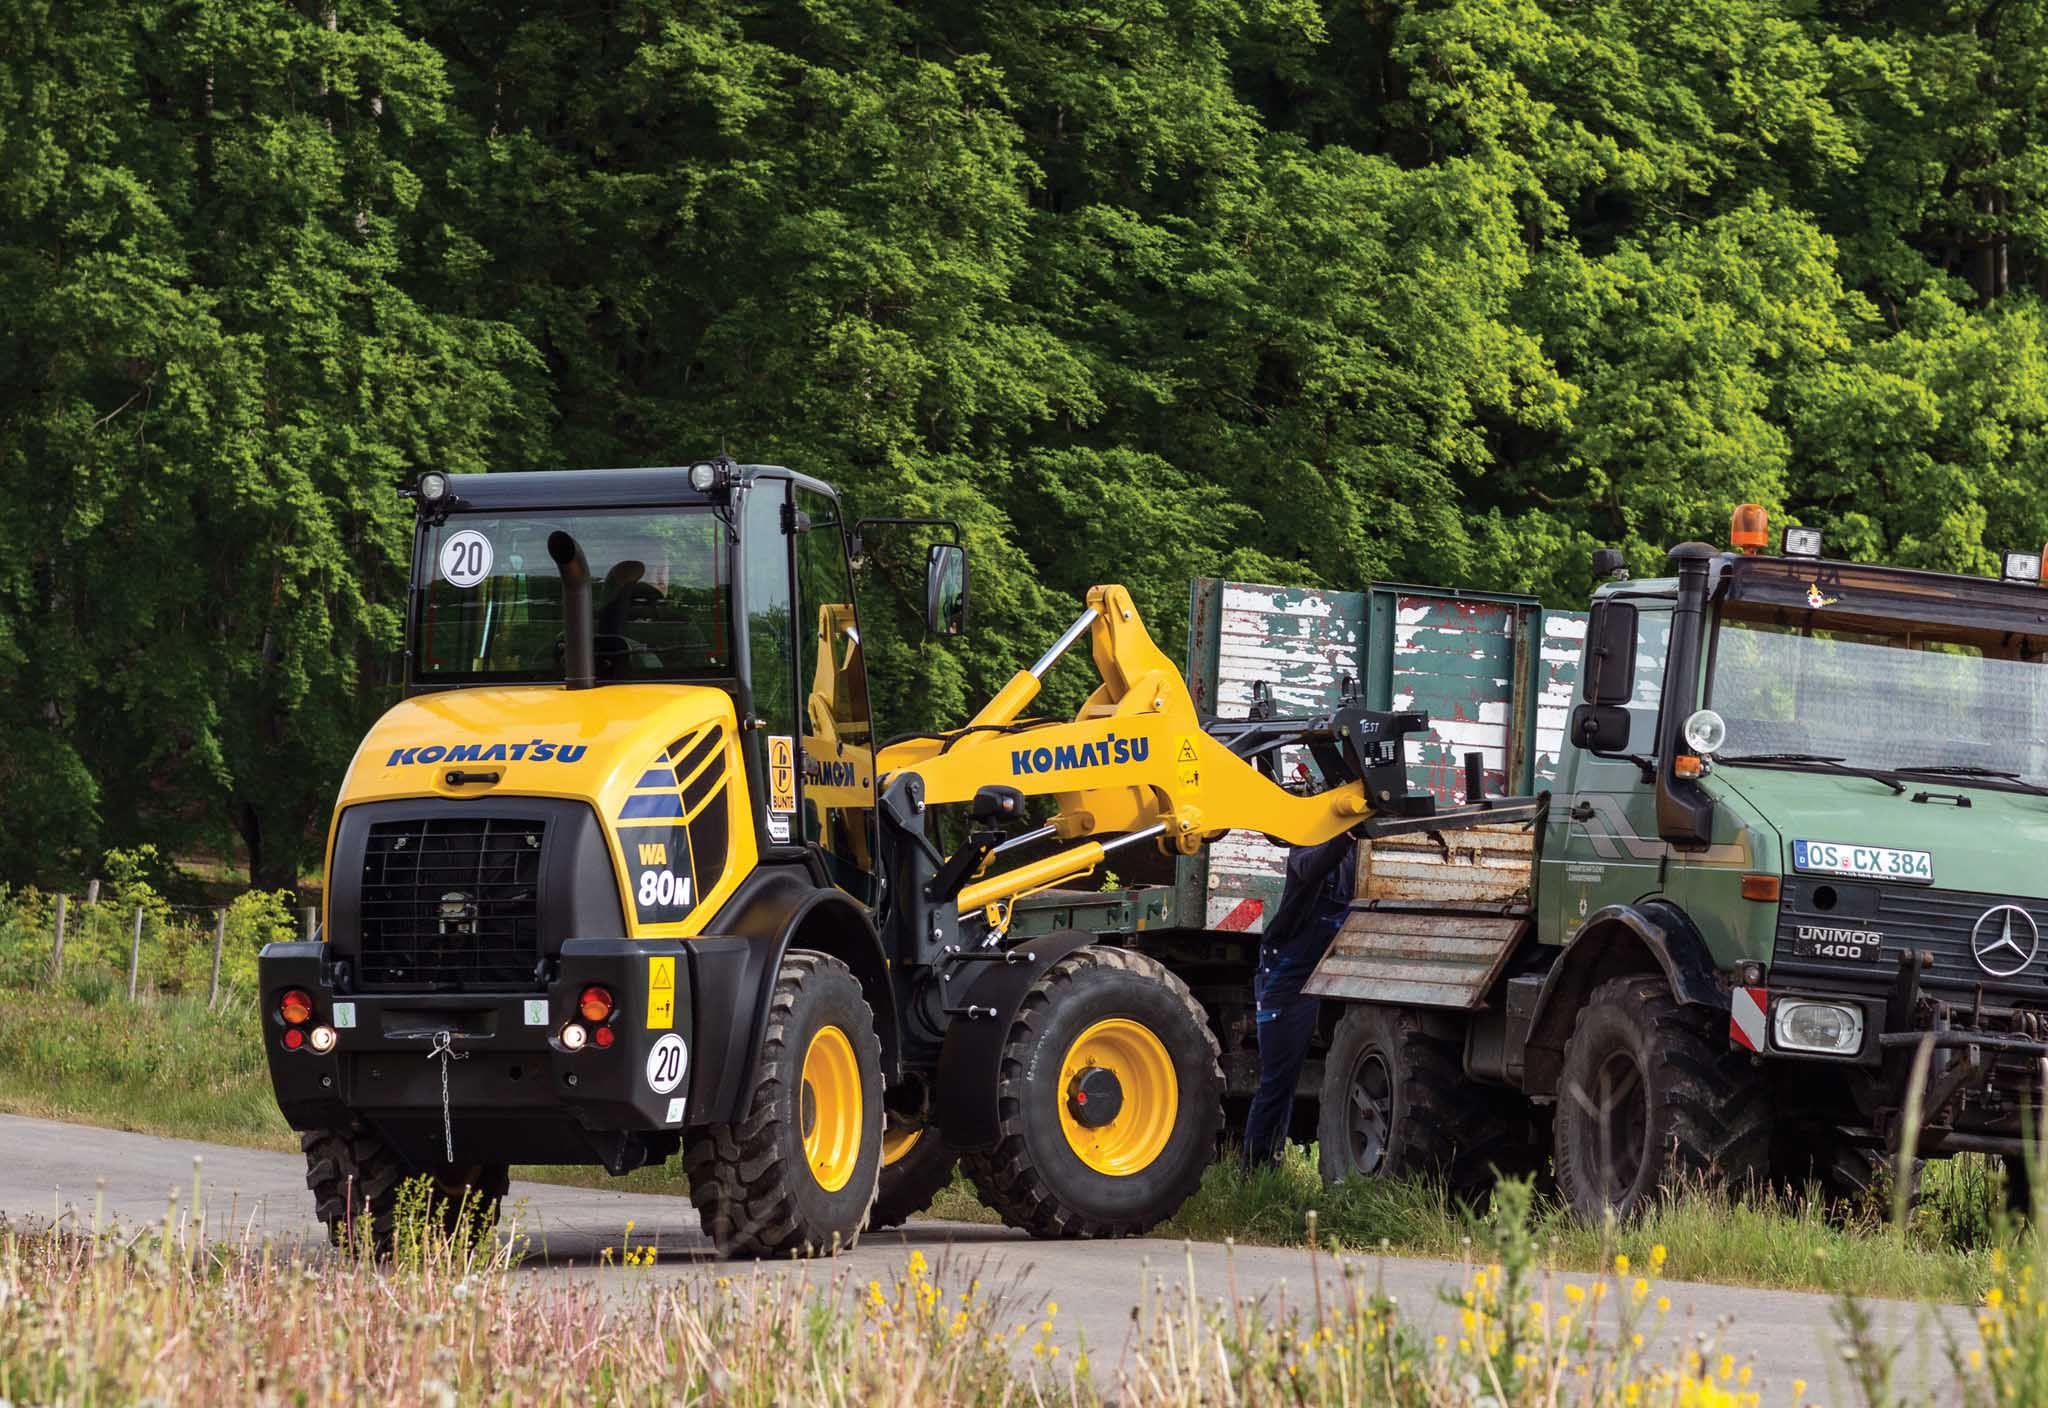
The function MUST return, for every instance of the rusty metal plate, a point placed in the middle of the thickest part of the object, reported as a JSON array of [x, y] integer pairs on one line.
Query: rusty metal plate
[[1472, 867], [1416, 958]]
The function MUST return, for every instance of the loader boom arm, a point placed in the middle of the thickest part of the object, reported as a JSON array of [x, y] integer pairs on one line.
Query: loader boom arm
[[1136, 762]]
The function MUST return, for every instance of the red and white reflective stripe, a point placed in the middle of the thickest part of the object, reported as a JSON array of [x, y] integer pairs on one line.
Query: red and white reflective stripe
[[1746, 1017]]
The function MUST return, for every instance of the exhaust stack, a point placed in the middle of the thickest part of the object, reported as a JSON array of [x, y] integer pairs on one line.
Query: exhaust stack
[[579, 660]]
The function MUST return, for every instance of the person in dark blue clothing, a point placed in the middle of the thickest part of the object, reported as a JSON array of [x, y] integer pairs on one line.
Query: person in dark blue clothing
[[1313, 902]]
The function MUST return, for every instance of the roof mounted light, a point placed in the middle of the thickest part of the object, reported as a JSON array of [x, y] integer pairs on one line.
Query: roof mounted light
[[1800, 542], [1749, 528], [433, 487], [2022, 567], [706, 475]]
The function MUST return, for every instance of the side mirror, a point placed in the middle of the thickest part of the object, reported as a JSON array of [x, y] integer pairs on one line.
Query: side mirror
[[1601, 728], [945, 589], [1608, 671]]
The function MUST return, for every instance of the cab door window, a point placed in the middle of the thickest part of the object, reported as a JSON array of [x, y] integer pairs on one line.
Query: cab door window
[[771, 651], [836, 739]]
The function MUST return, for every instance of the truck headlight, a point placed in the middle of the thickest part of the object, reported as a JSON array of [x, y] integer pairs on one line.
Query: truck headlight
[[1830, 1028]]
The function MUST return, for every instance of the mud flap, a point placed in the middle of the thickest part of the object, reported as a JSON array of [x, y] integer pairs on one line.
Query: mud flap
[[970, 1062]]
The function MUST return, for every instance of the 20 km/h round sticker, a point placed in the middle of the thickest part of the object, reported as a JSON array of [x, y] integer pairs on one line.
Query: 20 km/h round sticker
[[465, 558], [666, 1064]]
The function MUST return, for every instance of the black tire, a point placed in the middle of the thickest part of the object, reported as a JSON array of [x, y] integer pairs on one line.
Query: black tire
[[2019, 1187], [1851, 1178], [1651, 1088], [356, 1178], [1396, 1103], [1033, 1178], [912, 1179], [751, 1180]]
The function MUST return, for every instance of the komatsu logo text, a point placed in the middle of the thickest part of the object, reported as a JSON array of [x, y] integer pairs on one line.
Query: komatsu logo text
[[535, 751], [1079, 755]]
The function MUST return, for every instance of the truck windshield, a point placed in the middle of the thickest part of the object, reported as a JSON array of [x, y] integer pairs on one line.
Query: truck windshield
[[1872, 697], [490, 598]]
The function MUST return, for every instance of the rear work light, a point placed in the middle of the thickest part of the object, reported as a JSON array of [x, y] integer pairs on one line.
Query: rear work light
[[595, 1004], [2022, 567], [296, 1007]]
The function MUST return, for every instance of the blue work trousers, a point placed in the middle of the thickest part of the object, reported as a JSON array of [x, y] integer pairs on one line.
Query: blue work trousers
[[1286, 1022]]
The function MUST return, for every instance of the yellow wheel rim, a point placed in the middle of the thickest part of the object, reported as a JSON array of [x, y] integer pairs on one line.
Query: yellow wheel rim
[[831, 1108], [897, 1144], [1130, 1142]]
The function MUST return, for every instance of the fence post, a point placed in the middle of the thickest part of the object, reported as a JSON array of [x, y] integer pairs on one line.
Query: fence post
[[57, 949], [312, 918], [135, 953], [220, 934]]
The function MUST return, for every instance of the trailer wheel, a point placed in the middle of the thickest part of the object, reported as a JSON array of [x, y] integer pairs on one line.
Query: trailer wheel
[[356, 1179], [1397, 1103], [916, 1164], [1109, 1101], [1650, 1088], [796, 1173]]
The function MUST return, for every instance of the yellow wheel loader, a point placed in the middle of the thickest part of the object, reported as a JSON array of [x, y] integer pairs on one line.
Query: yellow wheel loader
[[626, 873]]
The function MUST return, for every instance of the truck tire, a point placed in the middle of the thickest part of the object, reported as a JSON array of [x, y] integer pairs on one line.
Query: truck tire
[[356, 1179], [916, 1164], [795, 1174], [1396, 1103], [1112, 1027], [1850, 1177], [1651, 1087]]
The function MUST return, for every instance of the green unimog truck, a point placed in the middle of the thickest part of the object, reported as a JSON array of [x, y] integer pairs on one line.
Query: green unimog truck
[[1795, 819]]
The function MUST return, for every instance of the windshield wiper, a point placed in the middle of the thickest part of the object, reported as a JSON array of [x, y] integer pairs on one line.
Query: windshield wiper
[[2016, 780], [1822, 760]]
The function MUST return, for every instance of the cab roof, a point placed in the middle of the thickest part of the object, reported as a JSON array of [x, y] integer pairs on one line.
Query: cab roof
[[602, 488]]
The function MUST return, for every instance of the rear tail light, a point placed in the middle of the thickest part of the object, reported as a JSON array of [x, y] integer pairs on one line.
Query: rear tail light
[[293, 1038], [595, 1004], [296, 1007], [603, 1036]]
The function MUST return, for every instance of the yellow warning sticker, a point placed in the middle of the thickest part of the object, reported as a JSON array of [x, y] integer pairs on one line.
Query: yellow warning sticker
[[661, 993], [781, 773], [1187, 762]]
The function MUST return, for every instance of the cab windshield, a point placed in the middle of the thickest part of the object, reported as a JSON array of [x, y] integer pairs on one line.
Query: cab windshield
[[489, 600], [1872, 693]]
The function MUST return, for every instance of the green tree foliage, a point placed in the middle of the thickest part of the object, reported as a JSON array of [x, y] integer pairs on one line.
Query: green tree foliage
[[1133, 290]]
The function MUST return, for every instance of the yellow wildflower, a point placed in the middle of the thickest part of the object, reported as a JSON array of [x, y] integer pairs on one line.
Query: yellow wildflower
[[1657, 1257], [1621, 1263]]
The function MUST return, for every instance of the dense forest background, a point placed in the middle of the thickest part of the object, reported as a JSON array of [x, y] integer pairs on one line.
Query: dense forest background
[[1135, 289]]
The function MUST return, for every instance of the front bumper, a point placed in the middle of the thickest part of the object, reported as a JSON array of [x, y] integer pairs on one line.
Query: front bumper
[[515, 1092]]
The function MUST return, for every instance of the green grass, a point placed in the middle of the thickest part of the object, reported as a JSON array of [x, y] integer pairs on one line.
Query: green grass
[[169, 1066]]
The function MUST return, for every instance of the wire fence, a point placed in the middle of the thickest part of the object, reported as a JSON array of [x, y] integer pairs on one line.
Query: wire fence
[[139, 946]]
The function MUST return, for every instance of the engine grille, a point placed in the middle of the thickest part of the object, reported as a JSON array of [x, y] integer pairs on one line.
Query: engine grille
[[452, 903], [1938, 921]]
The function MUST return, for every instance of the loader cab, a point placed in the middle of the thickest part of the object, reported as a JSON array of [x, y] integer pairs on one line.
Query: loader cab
[[715, 575]]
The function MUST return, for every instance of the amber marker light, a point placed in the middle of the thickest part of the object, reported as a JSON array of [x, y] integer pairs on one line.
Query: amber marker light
[[296, 1007], [1685, 765], [1760, 887], [1749, 529], [595, 1004]]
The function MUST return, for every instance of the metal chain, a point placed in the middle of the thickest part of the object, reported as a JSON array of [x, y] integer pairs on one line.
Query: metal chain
[[442, 1047]]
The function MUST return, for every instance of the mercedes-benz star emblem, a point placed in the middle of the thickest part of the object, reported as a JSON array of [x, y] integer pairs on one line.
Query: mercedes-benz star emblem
[[1996, 941]]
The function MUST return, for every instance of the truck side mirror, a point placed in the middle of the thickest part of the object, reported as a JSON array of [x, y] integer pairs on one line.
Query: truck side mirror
[[945, 589], [1608, 671], [1601, 728]]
